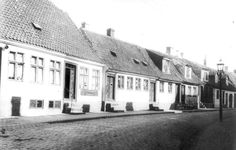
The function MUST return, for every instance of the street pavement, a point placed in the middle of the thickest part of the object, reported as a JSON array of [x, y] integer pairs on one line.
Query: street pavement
[[156, 131]]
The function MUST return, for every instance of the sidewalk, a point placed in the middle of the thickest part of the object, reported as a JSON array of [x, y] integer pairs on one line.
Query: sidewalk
[[24, 122]]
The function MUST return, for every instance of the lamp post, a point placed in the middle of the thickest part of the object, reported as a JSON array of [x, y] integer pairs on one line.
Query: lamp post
[[220, 72]]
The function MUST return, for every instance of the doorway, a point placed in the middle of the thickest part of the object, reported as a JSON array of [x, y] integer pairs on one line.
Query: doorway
[[152, 92], [110, 88], [183, 94], [15, 101], [70, 81], [230, 101]]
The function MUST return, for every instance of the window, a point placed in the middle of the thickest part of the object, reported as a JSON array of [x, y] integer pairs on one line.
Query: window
[[145, 85], [194, 90], [37, 65], [84, 78], [216, 78], [189, 90], [217, 94], [54, 104], [144, 63], [129, 83], [170, 87], [95, 79], [121, 82], [138, 84], [188, 72], [136, 61], [16, 66], [55, 72], [36, 103], [161, 87], [227, 81], [166, 66], [113, 53], [204, 75]]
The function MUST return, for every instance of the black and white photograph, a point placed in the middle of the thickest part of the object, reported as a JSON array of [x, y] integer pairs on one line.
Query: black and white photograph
[[117, 75]]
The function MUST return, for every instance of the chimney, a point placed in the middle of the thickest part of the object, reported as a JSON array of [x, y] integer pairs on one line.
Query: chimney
[[83, 25], [226, 68], [168, 50], [110, 32], [205, 61], [181, 55]]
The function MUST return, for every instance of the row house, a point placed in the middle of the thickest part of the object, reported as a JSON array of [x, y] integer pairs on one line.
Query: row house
[[46, 65], [130, 80]]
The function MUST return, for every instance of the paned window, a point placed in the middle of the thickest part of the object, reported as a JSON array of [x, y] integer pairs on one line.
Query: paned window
[[169, 87], [195, 91], [166, 66], [37, 66], [121, 82], [138, 84], [15, 66], [129, 82], [189, 90], [55, 72], [145, 85], [84, 78], [161, 87], [95, 79], [36, 103], [54, 104], [188, 72]]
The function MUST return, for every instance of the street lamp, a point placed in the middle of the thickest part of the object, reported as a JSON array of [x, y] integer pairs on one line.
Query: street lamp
[[220, 72]]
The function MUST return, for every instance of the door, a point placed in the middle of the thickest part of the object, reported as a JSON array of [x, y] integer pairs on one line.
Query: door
[[183, 94], [70, 80], [230, 101], [152, 92], [234, 100], [15, 101], [110, 92], [177, 93]]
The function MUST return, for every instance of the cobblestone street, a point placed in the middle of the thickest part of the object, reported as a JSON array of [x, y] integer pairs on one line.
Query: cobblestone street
[[157, 131]]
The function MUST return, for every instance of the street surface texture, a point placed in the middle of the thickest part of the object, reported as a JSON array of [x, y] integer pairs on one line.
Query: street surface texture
[[194, 131]]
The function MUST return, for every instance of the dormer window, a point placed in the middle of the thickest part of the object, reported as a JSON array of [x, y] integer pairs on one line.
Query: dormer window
[[113, 53], [216, 78], [188, 72], [166, 66], [144, 63], [227, 81], [204, 75], [37, 26], [136, 61]]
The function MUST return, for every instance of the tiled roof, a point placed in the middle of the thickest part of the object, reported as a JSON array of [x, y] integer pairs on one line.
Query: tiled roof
[[42, 24], [121, 56], [180, 65], [157, 57]]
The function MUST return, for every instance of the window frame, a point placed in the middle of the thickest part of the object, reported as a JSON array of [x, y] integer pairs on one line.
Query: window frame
[[16, 63], [170, 88], [37, 67], [120, 82], [95, 78], [54, 69], [82, 77], [137, 83], [36, 104], [161, 87], [54, 104], [166, 62], [145, 86], [130, 83]]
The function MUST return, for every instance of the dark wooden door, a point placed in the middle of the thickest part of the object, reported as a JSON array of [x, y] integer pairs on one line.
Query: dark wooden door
[[15, 106], [70, 80], [110, 92], [177, 94], [183, 94], [230, 101], [152, 92], [234, 100]]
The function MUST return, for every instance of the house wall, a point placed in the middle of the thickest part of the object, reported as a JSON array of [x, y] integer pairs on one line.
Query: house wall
[[226, 100], [165, 100], [28, 90], [139, 98]]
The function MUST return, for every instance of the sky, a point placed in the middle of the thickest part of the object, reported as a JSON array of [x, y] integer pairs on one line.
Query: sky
[[198, 28]]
